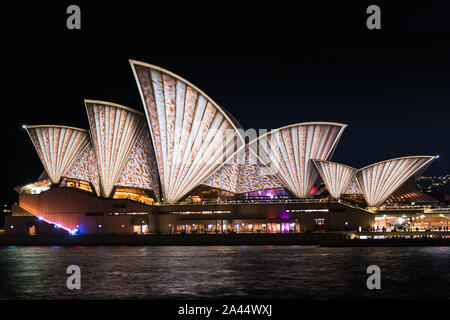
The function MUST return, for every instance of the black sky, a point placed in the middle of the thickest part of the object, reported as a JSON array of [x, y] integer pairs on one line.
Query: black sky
[[269, 65]]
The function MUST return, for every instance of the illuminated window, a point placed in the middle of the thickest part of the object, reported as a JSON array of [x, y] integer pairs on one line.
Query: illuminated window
[[135, 194], [319, 222], [76, 184]]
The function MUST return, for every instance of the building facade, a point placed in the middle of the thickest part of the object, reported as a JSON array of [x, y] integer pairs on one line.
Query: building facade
[[184, 165]]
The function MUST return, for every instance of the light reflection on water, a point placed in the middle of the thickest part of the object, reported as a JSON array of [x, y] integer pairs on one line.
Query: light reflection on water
[[180, 272]]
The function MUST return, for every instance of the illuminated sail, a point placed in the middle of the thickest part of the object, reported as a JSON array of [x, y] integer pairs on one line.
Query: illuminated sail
[[378, 181], [141, 170], [287, 151], [191, 134], [57, 147], [353, 187], [85, 168], [335, 176], [243, 175], [114, 131]]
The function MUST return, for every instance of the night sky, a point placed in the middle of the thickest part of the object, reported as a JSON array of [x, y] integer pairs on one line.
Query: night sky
[[268, 66]]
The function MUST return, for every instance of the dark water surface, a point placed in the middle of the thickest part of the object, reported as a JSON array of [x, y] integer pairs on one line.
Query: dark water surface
[[273, 272]]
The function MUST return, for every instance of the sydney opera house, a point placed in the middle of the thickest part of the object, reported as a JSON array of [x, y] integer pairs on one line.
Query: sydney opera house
[[185, 165]]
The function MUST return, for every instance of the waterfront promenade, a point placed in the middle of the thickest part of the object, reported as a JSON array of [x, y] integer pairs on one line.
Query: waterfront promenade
[[320, 238]]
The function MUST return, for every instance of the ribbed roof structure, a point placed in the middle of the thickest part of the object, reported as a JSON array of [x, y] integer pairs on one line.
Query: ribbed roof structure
[[141, 170], [114, 131], [57, 147], [287, 151], [243, 174], [336, 176], [185, 139], [85, 168], [191, 134], [378, 181]]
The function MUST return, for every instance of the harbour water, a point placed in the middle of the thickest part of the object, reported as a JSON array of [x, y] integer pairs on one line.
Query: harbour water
[[222, 272]]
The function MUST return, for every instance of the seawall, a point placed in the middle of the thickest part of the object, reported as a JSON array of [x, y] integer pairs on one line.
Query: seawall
[[322, 239]]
